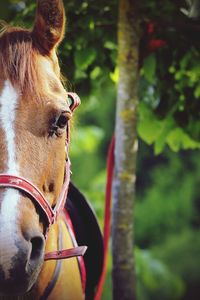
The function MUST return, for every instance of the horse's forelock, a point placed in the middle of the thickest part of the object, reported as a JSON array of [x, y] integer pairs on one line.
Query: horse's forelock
[[18, 59]]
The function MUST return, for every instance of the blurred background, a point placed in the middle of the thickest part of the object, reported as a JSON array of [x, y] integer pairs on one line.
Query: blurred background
[[167, 210]]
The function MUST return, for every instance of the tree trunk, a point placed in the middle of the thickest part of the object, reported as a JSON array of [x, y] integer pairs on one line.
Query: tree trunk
[[125, 152]]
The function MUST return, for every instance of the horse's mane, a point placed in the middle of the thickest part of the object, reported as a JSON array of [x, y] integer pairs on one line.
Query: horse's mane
[[18, 58]]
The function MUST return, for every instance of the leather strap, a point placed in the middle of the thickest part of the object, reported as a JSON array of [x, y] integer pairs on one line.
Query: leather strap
[[67, 253], [22, 184]]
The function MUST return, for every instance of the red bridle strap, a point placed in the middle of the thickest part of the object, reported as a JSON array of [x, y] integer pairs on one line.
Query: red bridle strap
[[22, 184], [64, 191], [67, 253], [107, 217]]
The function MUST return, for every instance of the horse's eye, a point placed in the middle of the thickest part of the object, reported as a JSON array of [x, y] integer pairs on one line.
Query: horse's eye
[[59, 124], [63, 119]]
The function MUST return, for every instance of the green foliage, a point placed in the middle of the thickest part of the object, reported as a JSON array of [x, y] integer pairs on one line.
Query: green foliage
[[172, 112], [170, 76], [181, 253], [160, 132], [177, 139], [154, 279], [168, 203], [154, 9], [4, 9], [86, 141], [186, 74], [149, 68], [153, 130], [84, 146], [167, 214], [84, 58]]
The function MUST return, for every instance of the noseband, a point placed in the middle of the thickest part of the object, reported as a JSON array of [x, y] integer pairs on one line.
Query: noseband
[[51, 214]]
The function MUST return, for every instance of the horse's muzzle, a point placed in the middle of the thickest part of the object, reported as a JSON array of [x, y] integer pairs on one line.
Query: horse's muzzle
[[24, 266]]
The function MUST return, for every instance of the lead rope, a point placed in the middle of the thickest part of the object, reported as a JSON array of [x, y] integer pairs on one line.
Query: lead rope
[[107, 217]]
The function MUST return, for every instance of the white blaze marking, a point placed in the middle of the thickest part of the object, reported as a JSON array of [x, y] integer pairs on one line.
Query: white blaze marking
[[8, 214], [8, 102]]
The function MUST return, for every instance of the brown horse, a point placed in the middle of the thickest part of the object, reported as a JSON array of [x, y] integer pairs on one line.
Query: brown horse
[[34, 115]]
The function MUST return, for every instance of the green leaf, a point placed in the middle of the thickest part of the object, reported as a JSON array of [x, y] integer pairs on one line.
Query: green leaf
[[79, 74], [84, 58], [148, 126], [149, 68], [110, 45], [197, 92], [152, 130], [178, 139], [95, 73], [115, 75], [165, 127]]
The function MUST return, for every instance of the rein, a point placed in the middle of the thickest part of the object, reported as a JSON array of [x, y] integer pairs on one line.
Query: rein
[[107, 217], [51, 214]]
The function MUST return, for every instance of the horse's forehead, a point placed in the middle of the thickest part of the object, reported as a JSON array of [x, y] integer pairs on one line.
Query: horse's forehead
[[49, 65], [48, 81], [51, 74]]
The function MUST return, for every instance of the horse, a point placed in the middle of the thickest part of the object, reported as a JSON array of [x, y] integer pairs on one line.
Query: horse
[[45, 221]]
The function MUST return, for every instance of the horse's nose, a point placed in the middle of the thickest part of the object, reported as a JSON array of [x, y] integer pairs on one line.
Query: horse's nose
[[36, 249], [21, 263]]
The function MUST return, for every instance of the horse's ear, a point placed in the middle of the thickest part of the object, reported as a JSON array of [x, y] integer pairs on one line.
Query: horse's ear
[[48, 29]]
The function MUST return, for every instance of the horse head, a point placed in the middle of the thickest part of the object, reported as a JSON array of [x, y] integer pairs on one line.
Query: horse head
[[34, 113]]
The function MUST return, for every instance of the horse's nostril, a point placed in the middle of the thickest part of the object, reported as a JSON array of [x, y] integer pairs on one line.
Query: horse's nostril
[[37, 248]]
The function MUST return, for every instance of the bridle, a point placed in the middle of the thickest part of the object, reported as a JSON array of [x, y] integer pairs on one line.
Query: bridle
[[51, 214]]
